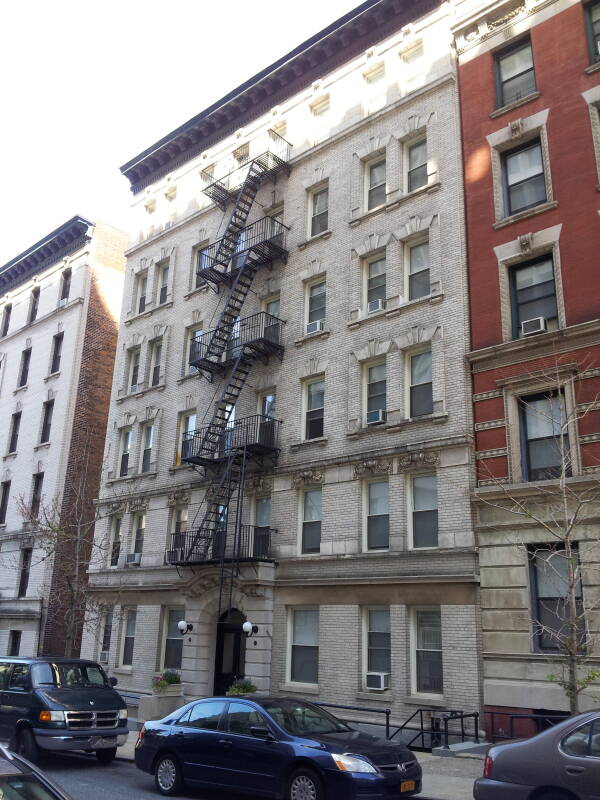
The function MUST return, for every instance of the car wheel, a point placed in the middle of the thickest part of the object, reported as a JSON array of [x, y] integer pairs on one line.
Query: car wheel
[[106, 756], [305, 785], [27, 746], [167, 775]]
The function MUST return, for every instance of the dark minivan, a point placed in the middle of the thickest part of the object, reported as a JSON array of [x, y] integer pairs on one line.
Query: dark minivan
[[60, 704]]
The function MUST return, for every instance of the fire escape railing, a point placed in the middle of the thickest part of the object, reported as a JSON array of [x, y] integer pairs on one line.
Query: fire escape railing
[[211, 443], [260, 334], [266, 237], [252, 544]]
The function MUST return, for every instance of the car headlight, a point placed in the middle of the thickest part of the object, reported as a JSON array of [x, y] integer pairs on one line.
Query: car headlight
[[349, 763], [52, 716], [122, 713]]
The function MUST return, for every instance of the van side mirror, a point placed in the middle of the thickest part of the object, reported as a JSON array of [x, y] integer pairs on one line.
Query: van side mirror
[[262, 733], [112, 680]]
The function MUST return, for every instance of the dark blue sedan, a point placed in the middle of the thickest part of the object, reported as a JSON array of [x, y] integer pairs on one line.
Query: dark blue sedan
[[273, 747]]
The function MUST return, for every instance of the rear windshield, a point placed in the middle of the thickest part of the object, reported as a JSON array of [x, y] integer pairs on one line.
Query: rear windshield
[[67, 675], [23, 787]]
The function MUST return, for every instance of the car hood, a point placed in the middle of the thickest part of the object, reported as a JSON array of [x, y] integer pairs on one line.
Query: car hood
[[379, 751], [82, 699]]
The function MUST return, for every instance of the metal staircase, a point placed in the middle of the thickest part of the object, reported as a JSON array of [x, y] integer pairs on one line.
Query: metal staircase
[[224, 447]]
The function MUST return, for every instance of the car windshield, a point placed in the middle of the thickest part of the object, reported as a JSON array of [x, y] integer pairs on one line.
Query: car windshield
[[23, 787], [68, 675], [303, 719]]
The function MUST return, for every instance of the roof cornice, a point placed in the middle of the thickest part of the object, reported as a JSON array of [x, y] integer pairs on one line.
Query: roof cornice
[[63, 241], [343, 39]]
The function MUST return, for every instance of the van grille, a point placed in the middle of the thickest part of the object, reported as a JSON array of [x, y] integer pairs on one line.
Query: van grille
[[92, 719]]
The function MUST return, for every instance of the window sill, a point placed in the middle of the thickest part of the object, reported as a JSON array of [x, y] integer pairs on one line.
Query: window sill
[[437, 701], [9, 456], [41, 445], [179, 468], [122, 670], [362, 316], [121, 479], [20, 389], [517, 103], [188, 377], [391, 205], [319, 441], [387, 696], [150, 474], [311, 336], [324, 235], [51, 376], [301, 688], [437, 417], [595, 67], [143, 315], [530, 212], [198, 290]]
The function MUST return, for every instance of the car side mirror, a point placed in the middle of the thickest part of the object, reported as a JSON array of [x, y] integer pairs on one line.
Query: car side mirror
[[262, 733], [112, 680]]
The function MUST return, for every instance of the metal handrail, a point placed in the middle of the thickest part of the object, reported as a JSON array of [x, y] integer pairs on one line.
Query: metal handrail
[[197, 545], [249, 330], [215, 441], [269, 144], [267, 230]]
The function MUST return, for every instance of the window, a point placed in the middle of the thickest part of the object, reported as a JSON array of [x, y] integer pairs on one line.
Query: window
[[125, 449], [524, 181], [417, 165], [544, 436], [194, 348], [424, 511], [316, 301], [4, 495], [47, 421], [24, 369], [203, 261], [419, 283], [376, 392], [128, 637], [139, 528], [315, 408], [241, 718], [6, 319], [148, 439], [133, 369], [180, 519], [173, 645], [319, 215], [378, 524], [272, 306], [14, 432], [550, 597], [187, 425], [421, 391], [268, 402], [20, 673], [428, 677], [57, 343], [155, 360], [163, 282], [34, 304], [583, 742], [141, 287], [107, 630], [311, 521], [515, 75], [593, 30], [36, 495], [204, 715], [24, 571], [378, 640], [533, 294], [65, 286], [376, 280], [115, 549], [376, 186], [262, 526], [304, 661]]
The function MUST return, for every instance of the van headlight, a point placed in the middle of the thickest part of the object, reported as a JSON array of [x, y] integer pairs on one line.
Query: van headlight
[[350, 763], [52, 716], [122, 713]]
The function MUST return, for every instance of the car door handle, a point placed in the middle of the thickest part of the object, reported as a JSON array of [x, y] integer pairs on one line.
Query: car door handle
[[226, 742], [574, 770]]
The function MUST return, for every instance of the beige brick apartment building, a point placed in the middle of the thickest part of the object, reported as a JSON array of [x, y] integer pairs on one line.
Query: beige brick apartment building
[[348, 539], [59, 306]]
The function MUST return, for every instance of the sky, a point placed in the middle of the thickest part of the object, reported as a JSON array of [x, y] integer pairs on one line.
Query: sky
[[88, 85]]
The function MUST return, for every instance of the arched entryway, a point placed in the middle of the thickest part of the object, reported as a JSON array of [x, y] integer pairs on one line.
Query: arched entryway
[[230, 654]]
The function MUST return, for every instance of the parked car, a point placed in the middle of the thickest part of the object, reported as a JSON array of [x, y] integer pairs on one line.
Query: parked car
[[21, 780], [60, 704], [273, 747], [561, 763]]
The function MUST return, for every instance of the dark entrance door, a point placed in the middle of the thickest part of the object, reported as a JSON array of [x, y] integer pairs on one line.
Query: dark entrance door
[[230, 657]]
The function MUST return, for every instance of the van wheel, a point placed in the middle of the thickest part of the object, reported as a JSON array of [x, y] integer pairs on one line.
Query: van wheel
[[305, 785], [106, 756], [27, 746], [167, 775]]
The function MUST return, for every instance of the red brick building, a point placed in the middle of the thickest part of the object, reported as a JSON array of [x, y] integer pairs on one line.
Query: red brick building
[[529, 77]]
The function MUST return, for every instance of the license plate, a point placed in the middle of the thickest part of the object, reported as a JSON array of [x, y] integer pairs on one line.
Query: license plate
[[407, 786]]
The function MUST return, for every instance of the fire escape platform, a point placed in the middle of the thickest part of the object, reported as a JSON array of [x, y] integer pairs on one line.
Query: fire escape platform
[[211, 445], [197, 547]]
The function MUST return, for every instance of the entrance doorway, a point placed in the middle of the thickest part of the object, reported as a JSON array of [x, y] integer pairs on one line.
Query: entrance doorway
[[230, 656]]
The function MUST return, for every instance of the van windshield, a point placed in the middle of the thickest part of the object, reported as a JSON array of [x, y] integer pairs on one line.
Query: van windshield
[[67, 675]]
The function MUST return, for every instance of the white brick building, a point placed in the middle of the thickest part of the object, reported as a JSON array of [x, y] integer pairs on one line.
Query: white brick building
[[59, 303], [367, 560]]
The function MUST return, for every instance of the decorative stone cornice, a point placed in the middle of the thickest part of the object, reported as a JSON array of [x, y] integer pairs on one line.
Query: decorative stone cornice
[[418, 460], [178, 497], [308, 477], [258, 485], [482, 25], [114, 507], [372, 467], [137, 505]]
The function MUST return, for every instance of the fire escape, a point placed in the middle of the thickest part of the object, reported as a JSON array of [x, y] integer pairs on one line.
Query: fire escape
[[227, 447]]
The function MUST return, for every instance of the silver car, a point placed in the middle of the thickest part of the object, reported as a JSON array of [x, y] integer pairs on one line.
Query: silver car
[[562, 763]]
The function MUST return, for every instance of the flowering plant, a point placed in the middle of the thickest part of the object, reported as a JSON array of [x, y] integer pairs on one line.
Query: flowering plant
[[164, 679], [241, 686]]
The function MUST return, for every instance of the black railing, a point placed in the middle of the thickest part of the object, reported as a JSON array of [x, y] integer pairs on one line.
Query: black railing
[[258, 434], [503, 725], [253, 543], [266, 237], [261, 332]]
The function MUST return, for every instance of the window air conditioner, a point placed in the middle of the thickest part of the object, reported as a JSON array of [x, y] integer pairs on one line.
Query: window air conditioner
[[314, 327], [133, 559], [373, 417], [535, 325], [379, 681], [375, 305], [104, 657]]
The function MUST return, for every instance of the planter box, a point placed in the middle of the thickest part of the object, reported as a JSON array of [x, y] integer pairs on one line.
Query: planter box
[[158, 705], [172, 690]]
